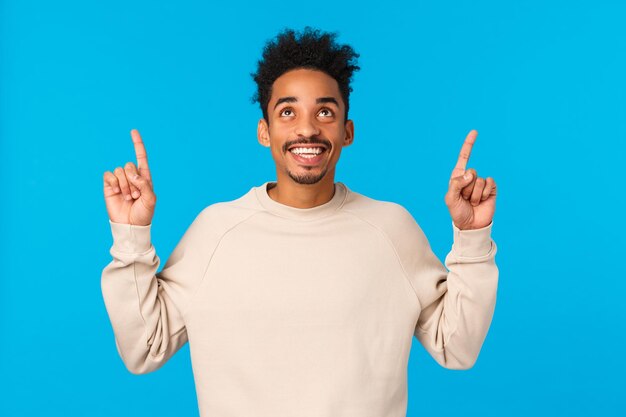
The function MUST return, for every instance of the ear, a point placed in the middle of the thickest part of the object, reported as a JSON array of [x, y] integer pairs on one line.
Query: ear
[[262, 133], [349, 138]]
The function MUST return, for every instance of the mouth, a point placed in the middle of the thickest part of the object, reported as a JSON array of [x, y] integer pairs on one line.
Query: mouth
[[308, 154]]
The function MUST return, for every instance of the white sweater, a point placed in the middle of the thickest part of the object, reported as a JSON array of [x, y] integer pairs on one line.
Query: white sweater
[[300, 312]]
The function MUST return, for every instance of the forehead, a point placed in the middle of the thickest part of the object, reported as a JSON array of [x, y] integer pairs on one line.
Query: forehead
[[305, 85]]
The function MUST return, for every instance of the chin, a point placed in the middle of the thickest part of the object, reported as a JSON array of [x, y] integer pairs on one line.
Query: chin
[[307, 178]]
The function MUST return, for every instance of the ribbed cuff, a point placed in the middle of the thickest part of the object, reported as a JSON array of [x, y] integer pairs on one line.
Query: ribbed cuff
[[472, 243], [129, 238]]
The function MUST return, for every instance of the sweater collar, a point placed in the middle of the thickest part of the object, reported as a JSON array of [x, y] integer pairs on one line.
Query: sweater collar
[[295, 213]]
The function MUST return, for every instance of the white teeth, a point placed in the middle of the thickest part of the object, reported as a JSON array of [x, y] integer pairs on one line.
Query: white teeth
[[313, 151]]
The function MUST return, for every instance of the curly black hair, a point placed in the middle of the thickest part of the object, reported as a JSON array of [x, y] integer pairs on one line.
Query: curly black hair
[[309, 49]]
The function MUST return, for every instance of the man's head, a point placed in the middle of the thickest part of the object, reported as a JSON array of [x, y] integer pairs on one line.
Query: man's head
[[303, 89]]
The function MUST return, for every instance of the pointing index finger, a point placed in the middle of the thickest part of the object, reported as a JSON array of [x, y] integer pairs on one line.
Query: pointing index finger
[[464, 155], [140, 153]]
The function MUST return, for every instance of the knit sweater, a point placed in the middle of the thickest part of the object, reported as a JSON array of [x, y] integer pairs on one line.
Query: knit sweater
[[300, 312]]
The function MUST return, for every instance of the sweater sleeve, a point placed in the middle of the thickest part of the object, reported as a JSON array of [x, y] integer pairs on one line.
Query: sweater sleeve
[[457, 303], [146, 308]]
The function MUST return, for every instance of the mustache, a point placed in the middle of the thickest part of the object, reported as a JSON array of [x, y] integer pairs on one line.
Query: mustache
[[307, 141]]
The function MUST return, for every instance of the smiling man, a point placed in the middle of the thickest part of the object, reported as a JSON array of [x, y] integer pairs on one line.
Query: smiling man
[[301, 297]]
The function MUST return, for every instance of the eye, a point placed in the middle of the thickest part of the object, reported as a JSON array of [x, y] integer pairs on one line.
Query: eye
[[329, 111], [286, 109]]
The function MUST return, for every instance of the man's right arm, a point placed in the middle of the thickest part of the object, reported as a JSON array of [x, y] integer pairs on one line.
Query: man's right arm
[[146, 308]]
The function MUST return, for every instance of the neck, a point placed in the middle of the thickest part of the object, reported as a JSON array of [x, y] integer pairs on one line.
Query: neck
[[290, 193]]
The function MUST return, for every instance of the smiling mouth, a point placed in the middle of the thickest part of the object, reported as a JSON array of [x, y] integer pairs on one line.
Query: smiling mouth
[[307, 155]]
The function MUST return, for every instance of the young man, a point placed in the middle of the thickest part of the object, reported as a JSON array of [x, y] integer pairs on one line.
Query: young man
[[301, 297]]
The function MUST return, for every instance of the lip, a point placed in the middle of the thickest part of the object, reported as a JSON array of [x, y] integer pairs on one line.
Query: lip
[[308, 161]]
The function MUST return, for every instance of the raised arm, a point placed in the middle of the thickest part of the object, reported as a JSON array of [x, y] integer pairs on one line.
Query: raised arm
[[457, 301], [458, 305], [145, 307]]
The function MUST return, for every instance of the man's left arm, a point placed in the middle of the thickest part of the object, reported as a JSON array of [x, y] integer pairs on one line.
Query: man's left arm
[[456, 307]]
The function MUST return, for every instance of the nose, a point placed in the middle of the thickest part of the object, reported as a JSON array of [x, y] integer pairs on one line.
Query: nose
[[307, 127]]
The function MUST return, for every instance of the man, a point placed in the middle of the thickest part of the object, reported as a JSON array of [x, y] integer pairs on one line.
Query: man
[[301, 297]]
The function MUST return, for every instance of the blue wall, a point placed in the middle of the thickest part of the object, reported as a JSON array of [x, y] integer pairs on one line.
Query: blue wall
[[542, 82]]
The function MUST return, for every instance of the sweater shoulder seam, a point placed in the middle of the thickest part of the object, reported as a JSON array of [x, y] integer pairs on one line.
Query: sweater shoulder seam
[[206, 268], [393, 248]]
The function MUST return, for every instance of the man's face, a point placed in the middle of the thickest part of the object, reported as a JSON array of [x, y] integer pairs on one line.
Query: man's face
[[306, 129]]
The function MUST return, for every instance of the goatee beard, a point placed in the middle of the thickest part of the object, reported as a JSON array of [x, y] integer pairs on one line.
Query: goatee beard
[[307, 178]]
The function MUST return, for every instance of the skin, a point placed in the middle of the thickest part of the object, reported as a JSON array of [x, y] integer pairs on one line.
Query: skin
[[128, 191], [304, 120], [471, 199], [130, 198]]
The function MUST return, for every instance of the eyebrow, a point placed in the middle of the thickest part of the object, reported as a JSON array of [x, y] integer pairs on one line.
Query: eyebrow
[[292, 99]]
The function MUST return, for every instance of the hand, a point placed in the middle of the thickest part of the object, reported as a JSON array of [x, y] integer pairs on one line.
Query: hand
[[128, 192], [471, 201]]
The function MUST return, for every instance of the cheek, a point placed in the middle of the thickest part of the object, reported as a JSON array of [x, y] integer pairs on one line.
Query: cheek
[[277, 151], [336, 151]]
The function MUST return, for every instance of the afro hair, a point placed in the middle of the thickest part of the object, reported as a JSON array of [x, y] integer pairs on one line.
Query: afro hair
[[309, 49]]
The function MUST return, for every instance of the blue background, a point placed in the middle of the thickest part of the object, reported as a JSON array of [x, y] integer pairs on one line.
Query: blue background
[[541, 81]]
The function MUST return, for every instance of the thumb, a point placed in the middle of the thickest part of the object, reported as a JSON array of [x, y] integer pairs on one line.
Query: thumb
[[141, 183], [462, 181]]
